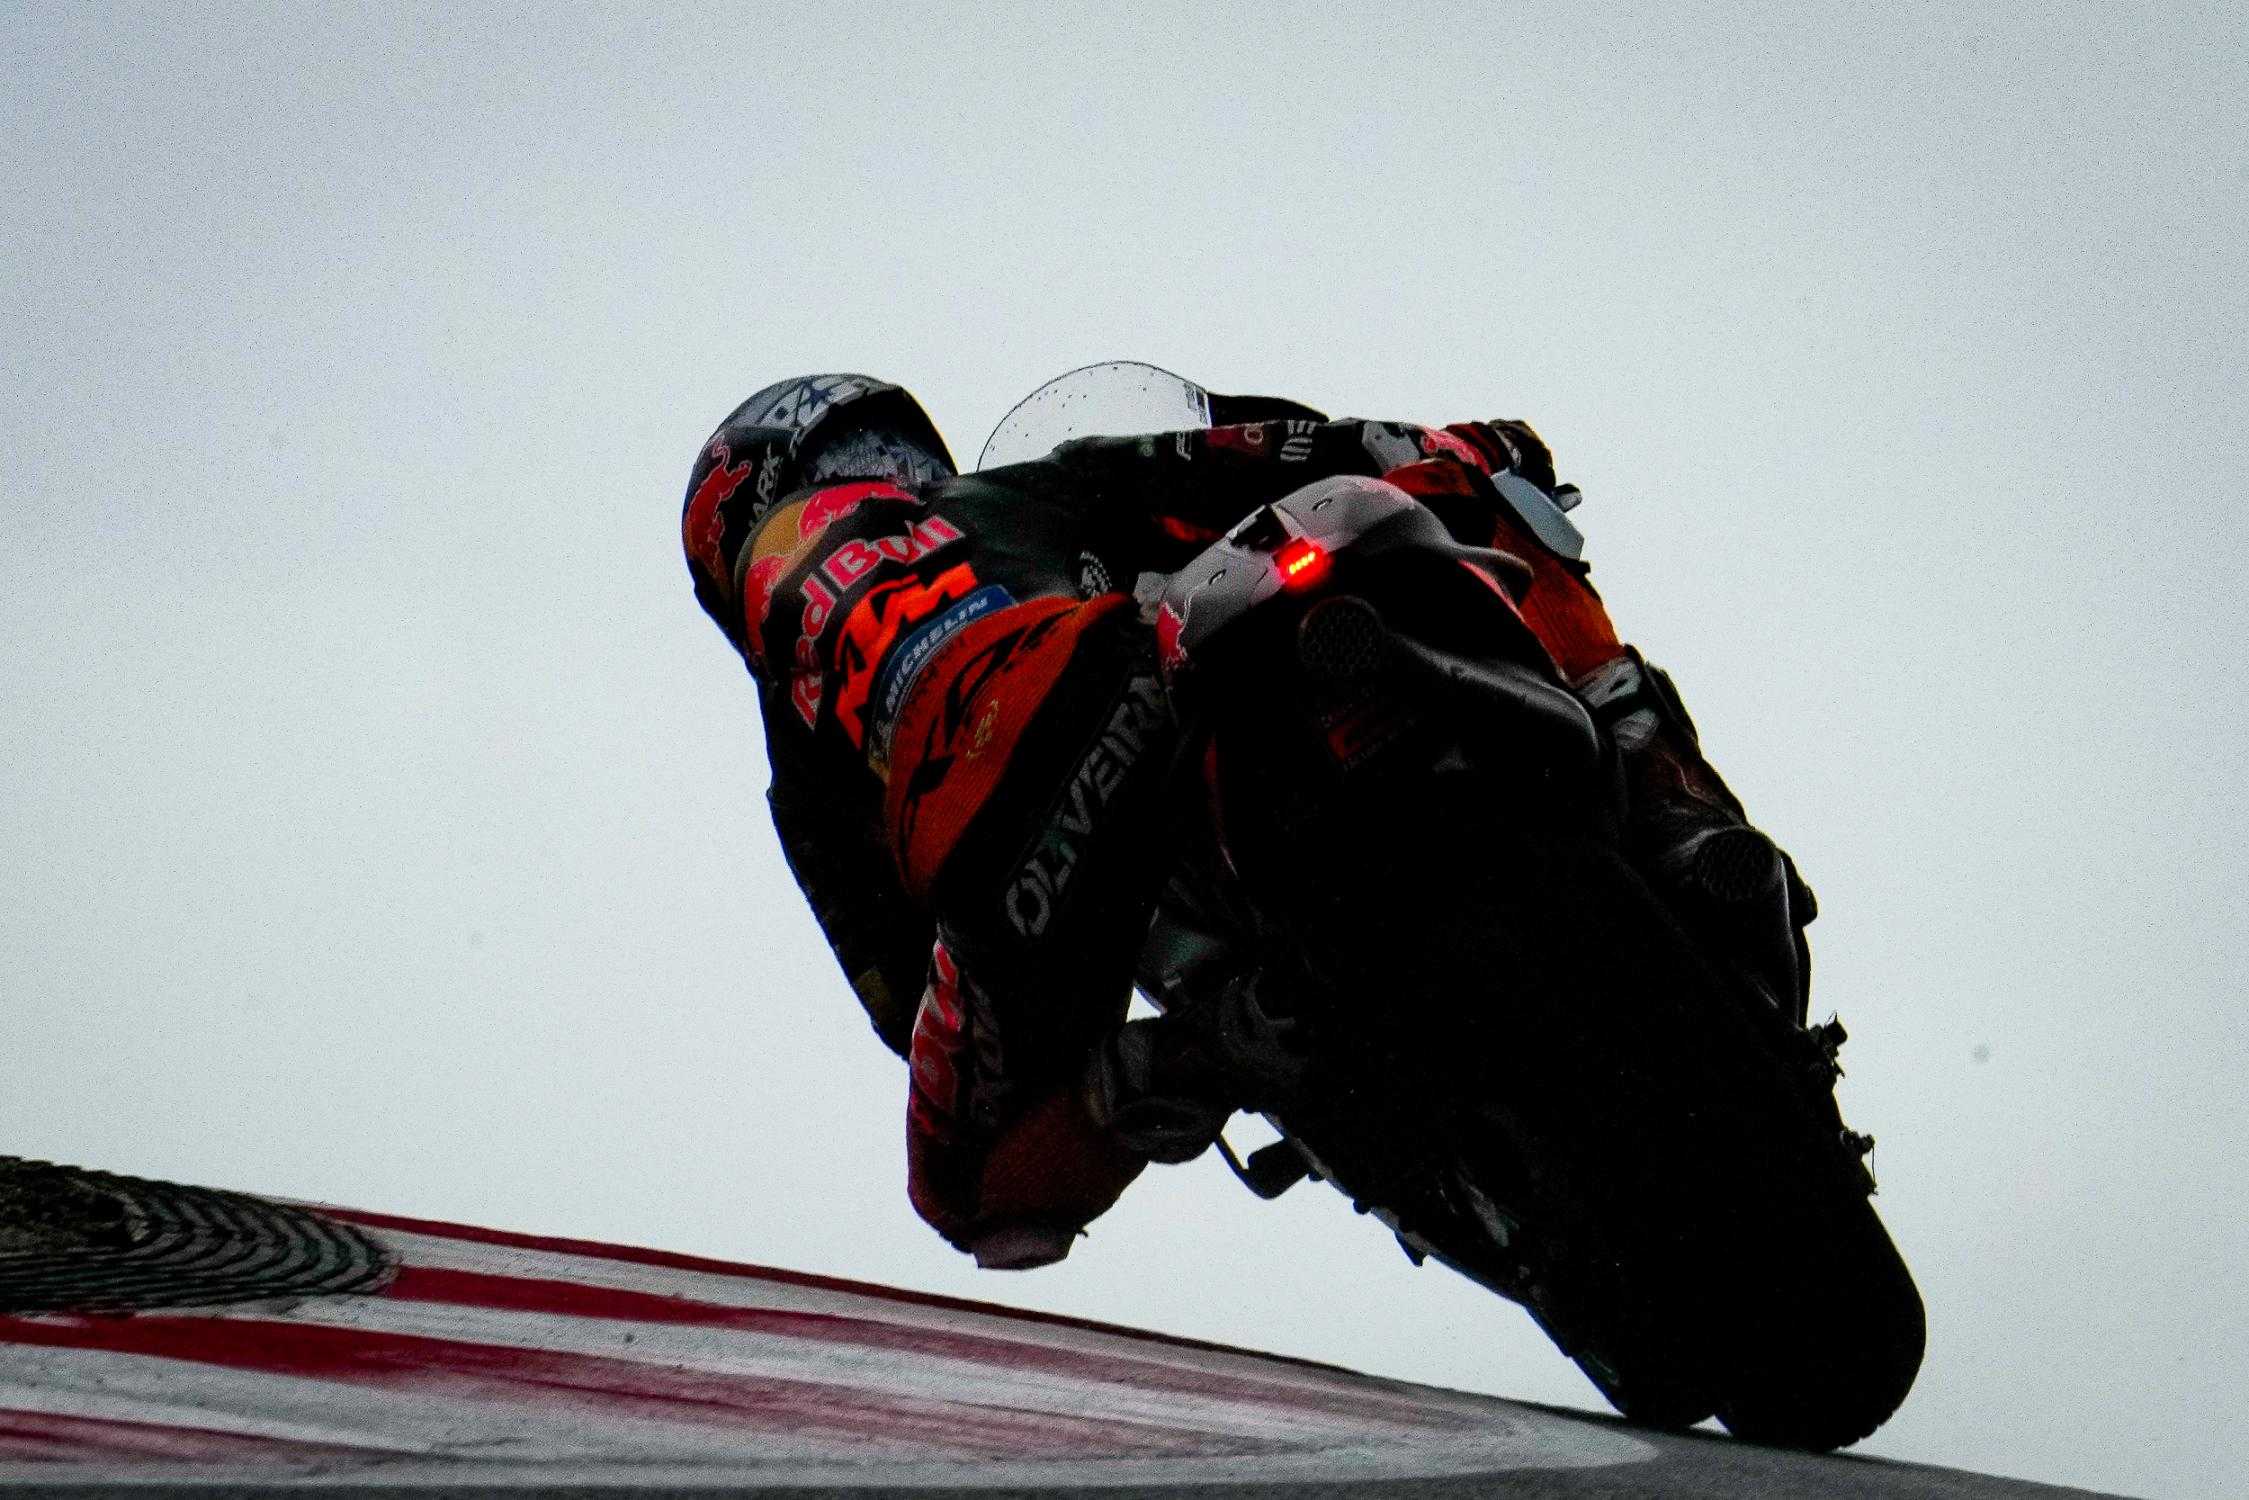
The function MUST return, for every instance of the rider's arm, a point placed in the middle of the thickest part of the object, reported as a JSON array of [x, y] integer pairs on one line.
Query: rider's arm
[[1157, 500], [826, 807], [830, 831]]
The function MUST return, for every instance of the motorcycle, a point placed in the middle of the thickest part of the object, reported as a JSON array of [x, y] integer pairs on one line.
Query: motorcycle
[[1401, 910]]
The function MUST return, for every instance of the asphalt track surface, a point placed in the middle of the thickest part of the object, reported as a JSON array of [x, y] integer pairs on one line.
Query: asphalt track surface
[[444, 1360]]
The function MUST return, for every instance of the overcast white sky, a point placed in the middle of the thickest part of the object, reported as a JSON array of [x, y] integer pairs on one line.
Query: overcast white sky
[[382, 821]]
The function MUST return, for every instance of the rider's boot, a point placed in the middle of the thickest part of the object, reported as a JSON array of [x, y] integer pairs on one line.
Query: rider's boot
[[1685, 826], [1157, 1091], [1165, 1085]]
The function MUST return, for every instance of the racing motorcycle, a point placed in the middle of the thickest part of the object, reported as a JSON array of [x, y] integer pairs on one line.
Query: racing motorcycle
[[1401, 910]]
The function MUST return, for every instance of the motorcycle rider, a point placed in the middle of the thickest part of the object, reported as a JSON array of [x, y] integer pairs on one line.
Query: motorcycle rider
[[968, 741]]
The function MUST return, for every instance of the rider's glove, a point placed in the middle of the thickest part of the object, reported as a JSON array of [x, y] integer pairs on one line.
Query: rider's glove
[[1506, 445], [1164, 1087]]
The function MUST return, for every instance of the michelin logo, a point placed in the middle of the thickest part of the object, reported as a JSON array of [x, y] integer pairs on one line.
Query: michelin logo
[[897, 677]]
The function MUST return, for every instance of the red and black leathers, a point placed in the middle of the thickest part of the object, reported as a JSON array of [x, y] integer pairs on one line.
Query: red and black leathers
[[968, 739]]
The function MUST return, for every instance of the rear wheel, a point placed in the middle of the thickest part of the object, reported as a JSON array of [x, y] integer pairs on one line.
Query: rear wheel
[[1708, 1241], [1829, 1346]]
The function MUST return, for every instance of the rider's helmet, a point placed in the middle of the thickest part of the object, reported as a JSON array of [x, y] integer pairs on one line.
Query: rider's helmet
[[812, 429]]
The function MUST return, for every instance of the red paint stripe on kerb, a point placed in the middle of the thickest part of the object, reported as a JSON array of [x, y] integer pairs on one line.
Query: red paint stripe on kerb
[[52, 1437], [575, 1299], [671, 1260], [601, 1386]]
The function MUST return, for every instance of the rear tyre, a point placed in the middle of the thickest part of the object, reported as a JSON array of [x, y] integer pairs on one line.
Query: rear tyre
[[1715, 1249], [1831, 1347], [1651, 1391]]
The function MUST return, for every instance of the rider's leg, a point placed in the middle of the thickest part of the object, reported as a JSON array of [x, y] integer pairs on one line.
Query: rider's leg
[[1685, 826], [1688, 828], [1009, 1168], [1025, 780]]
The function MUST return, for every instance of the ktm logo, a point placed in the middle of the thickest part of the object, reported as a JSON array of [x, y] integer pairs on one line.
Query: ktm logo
[[875, 625]]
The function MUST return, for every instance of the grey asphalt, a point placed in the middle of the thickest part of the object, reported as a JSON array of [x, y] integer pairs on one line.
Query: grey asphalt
[[658, 1375], [1690, 1466]]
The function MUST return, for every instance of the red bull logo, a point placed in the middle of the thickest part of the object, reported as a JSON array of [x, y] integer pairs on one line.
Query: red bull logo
[[703, 528], [808, 683], [826, 507], [782, 540], [757, 601], [855, 559]]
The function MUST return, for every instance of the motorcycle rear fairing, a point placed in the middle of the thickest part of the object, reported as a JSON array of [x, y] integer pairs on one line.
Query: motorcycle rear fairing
[[1357, 539]]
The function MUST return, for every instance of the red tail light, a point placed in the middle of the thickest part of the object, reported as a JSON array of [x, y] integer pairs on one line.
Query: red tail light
[[1301, 563]]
